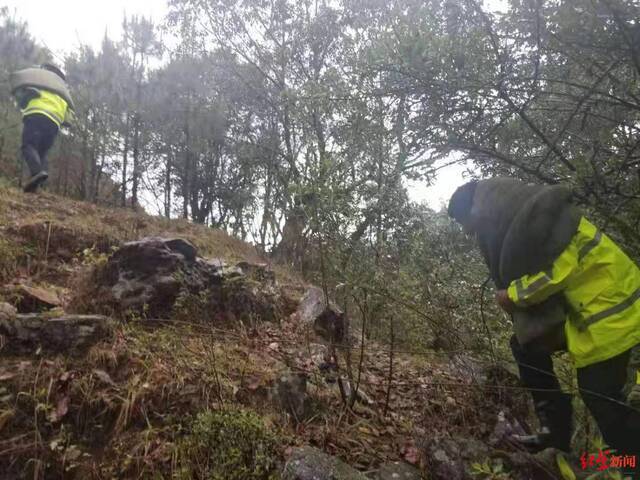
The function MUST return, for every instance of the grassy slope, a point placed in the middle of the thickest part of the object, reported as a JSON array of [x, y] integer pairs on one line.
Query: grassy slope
[[92, 224], [132, 394], [123, 410]]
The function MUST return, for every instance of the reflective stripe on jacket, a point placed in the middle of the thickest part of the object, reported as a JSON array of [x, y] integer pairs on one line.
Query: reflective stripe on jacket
[[602, 287], [48, 104]]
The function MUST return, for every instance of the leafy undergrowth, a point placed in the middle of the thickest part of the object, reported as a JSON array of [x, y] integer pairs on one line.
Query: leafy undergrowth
[[229, 444], [153, 400]]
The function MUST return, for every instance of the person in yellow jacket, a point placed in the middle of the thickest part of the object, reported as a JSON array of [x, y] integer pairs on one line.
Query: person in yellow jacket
[[43, 113], [541, 250], [601, 286]]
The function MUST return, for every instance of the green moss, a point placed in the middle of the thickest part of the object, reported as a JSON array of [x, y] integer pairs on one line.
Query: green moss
[[93, 258], [229, 445], [190, 307]]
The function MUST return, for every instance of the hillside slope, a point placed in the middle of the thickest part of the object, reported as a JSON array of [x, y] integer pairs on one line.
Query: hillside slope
[[64, 228], [132, 405]]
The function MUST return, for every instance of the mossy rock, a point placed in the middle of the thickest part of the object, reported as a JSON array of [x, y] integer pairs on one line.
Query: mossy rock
[[229, 445], [309, 463]]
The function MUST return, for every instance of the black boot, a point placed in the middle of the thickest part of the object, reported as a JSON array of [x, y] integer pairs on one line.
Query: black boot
[[555, 426], [35, 181]]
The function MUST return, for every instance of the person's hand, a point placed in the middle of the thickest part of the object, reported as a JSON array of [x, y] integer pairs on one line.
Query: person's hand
[[502, 299]]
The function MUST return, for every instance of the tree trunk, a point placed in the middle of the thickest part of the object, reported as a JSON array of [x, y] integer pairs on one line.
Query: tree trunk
[[266, 212], [290, 248], [125, 161], [83, 167], [196, 211], [93, 169], [186, 179], [167, 187], [136, 161], [99, 176]]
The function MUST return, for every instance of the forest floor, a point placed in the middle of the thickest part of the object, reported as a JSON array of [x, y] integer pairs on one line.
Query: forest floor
[[121, 409]]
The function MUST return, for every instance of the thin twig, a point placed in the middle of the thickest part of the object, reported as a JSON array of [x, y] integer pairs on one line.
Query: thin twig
[[391, 358], [37, 437], [46, 250], [216, 375], [362, 344]]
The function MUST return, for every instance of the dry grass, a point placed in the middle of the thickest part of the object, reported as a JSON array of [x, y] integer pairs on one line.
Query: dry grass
[[52, 224], [124, 406]]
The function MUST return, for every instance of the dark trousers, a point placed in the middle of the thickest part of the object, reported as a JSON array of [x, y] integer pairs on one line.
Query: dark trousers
[[601, 388], [38, 134]]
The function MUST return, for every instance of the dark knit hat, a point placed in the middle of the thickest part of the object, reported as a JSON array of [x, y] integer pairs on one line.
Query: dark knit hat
[[462, 201]]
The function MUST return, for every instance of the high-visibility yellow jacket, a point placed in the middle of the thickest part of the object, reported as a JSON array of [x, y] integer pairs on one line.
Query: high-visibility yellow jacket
[[49, 104], [602, 287]]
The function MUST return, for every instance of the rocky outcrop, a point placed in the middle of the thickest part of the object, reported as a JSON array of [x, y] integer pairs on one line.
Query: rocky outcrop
[[71, 334], [308, 463], [325, 318], [153, 277], [147, 276]]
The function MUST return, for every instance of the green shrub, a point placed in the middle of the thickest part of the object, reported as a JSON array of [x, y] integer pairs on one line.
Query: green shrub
[[229, 445]]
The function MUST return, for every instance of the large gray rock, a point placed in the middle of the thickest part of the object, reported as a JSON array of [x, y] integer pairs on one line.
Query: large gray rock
[[308, 463], [398, 471], [326, 319], [147, 277], [68, 333]]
